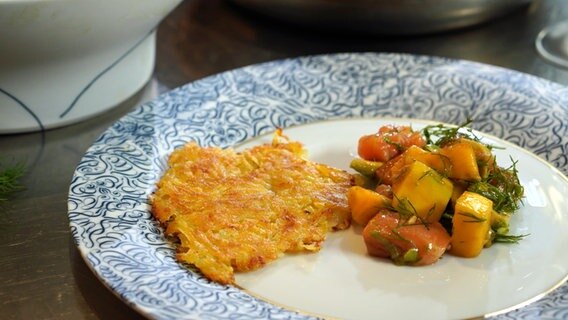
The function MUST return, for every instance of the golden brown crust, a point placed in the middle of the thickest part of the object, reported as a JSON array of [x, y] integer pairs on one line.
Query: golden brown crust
[[238, 211]]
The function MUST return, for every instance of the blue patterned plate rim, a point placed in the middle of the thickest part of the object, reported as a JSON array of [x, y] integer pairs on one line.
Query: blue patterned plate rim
[[108, 208]]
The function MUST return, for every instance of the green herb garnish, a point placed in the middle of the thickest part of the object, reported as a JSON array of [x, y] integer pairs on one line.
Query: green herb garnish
[[502, 186], [397, 146], [440, 134], [393, 250], [473, 217], [405, 208], [508, 238], [9, 180]]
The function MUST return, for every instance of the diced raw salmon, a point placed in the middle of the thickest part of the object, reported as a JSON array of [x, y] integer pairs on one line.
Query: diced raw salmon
[[405, 241]]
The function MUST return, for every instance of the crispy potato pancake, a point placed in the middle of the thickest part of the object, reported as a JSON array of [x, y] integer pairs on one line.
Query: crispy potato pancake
[[236, 211]]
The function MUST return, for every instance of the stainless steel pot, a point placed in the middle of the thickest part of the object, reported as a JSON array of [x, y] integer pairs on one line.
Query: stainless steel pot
[[396, 17]]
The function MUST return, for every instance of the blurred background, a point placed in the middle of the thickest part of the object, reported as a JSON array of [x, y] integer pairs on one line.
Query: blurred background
[[206, 37]]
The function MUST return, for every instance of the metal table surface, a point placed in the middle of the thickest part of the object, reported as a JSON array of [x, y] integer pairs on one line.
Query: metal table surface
[[42, 275]]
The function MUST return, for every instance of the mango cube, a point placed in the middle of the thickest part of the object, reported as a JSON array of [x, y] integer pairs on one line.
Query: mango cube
[[365, 204], [471, 224], [422, 191], [463, 158], [434, 160]]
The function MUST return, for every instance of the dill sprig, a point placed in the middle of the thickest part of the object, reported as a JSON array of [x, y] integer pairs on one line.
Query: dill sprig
[[440, 134], [473, 218], [10, 180], [404, 208], [502, 186], [393, 250], [408, 213], [396, 145], [508, 238]]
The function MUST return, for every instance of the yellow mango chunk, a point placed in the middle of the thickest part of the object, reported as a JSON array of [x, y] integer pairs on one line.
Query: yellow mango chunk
[[422, 191], [463, 159], [485, 159], [433, 160], [412, 152], [459, 188], [365, 204], [470, 225]]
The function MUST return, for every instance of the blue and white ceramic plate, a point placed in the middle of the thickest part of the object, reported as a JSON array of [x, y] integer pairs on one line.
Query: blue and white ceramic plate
[[327, 102]]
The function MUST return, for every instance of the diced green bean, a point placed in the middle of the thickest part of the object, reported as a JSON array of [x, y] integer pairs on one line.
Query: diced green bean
[[365, 167], [410, 256]]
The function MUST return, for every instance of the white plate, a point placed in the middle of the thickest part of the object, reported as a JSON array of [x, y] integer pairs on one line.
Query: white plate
[[350, 284], [353, 93]]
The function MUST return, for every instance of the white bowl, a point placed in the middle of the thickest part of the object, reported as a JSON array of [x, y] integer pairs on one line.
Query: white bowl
[[63, 61]]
